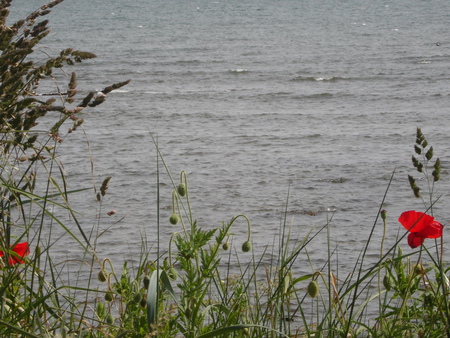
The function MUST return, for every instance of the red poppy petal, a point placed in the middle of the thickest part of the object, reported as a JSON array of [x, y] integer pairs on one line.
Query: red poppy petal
[[433, 230], [415, 221], [414, 241], [22, 249]]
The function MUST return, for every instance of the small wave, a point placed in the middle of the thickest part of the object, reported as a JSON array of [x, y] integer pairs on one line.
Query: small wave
[[238, 71], [313, 96], [333, 180], [317, 78]]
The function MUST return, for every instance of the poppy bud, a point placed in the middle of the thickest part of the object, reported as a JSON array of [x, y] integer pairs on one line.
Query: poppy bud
[[226, 246], [387, 282], [101, 276], [174, 219], [246, 332], [143, 302], [181, 189], [146, 282], [110, 319], [137, 298], [418, 268], [429, 154], [383, 214], [172, 273], [247, 246], [109, 296], [313, 289]]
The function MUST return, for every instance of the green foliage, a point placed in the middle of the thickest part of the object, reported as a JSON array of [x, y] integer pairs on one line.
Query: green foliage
[[195, 289]]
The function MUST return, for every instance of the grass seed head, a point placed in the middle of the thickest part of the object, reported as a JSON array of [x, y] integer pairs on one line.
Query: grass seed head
[[104, 186], [429, 154]]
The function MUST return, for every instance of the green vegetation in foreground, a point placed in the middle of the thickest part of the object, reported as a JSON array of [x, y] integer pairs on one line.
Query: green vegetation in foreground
[[191, 291]]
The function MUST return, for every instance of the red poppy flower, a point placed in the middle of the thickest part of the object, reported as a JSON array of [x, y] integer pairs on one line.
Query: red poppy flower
[[420, 226], [21, 249]]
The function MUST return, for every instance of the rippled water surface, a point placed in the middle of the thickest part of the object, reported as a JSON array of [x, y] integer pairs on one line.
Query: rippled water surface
[[255, 100]]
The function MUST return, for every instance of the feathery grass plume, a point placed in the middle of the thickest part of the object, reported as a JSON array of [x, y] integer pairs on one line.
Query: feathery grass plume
[[104, 186]]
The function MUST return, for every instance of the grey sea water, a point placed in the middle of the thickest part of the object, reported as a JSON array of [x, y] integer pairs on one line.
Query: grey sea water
[[256, 100]]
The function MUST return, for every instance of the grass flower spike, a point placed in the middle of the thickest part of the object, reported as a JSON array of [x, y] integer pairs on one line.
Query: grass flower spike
[[420, 226]]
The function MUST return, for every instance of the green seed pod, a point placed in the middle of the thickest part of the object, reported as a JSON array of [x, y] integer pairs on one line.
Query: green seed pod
[[174, 219], [226, 246], [146, 282], [247, 246], [181, 189], [387, 282], [110, 319], [101, 276], [313, 289], [429, 154], [109, 296]]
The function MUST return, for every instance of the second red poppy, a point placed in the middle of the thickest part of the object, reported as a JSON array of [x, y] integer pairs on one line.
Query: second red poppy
[[420, 226]]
